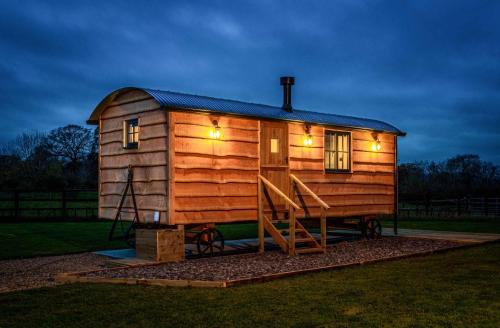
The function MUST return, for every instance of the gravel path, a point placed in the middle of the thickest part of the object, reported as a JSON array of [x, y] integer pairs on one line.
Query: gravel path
[[41, 271], [255, 265]]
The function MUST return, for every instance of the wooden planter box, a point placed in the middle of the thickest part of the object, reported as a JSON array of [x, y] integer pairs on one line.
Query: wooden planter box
[[160, 245]]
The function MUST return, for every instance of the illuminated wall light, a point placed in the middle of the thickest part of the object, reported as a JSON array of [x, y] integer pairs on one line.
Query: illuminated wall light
[[308, 140], [215, 130], [376, 146]]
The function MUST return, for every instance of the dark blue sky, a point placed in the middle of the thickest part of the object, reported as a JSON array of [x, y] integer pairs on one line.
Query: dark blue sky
[[432, 68]]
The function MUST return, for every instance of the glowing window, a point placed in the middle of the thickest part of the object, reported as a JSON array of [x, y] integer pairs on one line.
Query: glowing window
[[337, 151], [131, 134], [274, 145]]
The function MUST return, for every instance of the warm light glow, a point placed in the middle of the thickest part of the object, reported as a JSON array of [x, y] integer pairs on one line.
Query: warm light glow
[[215, 131], [308, 141], [376, 145]]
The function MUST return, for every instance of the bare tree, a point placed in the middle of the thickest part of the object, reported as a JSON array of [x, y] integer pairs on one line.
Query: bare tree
[[70, 143], [27, 143], [24, 145]]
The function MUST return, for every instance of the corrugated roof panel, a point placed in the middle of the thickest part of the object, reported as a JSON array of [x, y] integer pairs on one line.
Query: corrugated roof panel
[[187, 101], [171, 99]]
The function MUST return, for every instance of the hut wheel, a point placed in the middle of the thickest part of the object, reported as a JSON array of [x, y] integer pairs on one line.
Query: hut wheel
[[210, 242], [373, 229]]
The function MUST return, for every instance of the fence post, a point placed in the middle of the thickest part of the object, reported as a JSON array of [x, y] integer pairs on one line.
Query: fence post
[[16, 204], [64, 212]]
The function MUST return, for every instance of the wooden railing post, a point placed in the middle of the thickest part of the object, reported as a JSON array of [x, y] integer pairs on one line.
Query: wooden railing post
[[291, 231], [323, 227], [324, 206], [260, 216]]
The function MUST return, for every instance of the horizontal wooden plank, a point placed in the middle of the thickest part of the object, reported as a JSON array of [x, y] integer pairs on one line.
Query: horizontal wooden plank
[[202, 119], [214, 176], [337, 178], [215, 189], [187, 161], [156, 131], [157, 116], [310, 165], [153, 131], [214, 216], [145, 146], [372, 157], [139, 159], [375, 168], [145, 216], [140, 188], [186, 204], [347, 200], [216, 147], [130, 108], [323, 189], [143, 202], [145, 174], [306, 153], [227, 134]]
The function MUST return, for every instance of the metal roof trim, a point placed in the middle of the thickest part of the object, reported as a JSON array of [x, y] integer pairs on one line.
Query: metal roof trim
[[190, 102]]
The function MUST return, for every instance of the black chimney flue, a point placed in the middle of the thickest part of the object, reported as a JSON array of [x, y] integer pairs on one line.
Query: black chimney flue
[[287, 82]]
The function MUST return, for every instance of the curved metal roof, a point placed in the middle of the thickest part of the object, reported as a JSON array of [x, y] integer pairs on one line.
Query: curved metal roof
[[176, 100]]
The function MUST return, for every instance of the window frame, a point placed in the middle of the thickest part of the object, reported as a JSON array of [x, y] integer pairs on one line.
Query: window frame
[[127, 133], [328, 132]]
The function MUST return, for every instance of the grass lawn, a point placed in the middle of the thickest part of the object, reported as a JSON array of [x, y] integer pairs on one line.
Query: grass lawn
[[461, 224], [455, 289], [29, 239]]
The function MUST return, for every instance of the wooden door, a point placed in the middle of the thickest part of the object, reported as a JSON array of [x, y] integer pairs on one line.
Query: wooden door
[[274, 157]]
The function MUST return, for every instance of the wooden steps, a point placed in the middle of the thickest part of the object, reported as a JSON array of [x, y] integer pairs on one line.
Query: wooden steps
[[295, 234]]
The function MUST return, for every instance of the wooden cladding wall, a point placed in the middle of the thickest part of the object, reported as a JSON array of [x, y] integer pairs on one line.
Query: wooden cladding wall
[[213, 180], [150, 159], [368, 189]]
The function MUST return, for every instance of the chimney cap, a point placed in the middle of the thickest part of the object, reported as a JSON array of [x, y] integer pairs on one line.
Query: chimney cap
[[287, 80]]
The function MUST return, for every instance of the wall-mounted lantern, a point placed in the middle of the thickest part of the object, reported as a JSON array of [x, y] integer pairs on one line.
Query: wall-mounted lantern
[[308, 140], [376, 146], [215, 130]]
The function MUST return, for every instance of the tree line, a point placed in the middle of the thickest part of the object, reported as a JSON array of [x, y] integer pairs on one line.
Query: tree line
[[458, 177], [66, 158]]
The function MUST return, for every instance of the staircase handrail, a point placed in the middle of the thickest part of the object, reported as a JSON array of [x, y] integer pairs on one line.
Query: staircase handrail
[[279, 192], [310, 192]]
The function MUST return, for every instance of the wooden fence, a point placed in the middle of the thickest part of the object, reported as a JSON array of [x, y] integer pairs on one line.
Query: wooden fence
[[474, 206], [76, 204]]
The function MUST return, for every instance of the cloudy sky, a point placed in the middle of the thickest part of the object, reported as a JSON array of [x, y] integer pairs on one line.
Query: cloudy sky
[[432, 68]]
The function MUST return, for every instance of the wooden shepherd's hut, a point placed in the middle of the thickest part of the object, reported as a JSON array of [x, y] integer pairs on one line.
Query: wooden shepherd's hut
[[198, 161]]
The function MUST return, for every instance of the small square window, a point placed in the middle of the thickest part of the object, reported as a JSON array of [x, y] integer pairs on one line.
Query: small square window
[[131, 134]]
